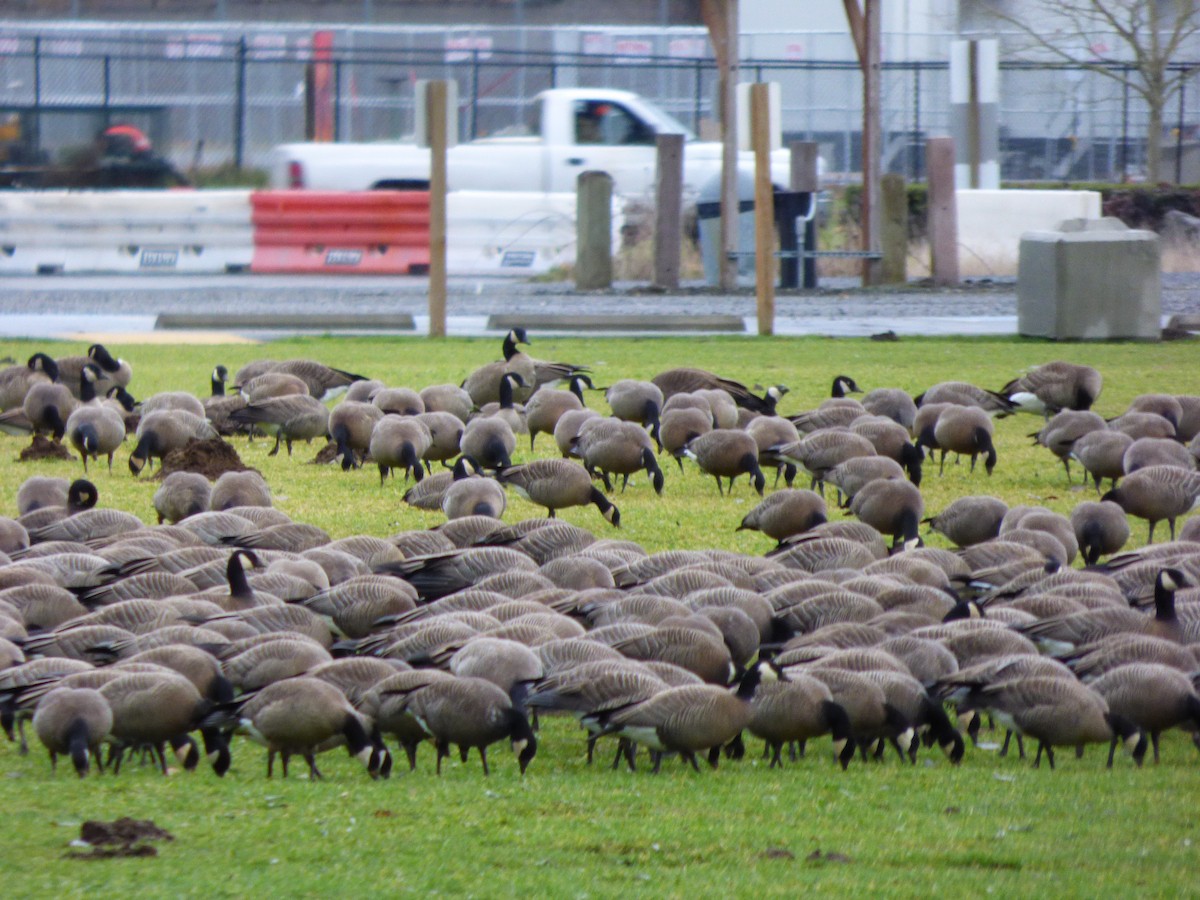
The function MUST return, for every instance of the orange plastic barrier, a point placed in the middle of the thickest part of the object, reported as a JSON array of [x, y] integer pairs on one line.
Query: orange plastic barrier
[[367, 232]]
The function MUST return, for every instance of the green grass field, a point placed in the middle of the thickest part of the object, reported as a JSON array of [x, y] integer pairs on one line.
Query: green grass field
[[992, 825]]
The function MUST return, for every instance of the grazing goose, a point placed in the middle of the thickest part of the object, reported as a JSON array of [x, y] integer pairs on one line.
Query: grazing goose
[[272, 384], [445, 436], [1143, 425], [685, 380], [398, 401], [690, 719], [820, 451], [558, 484], [798, 709], [614, 447], [546, 407], [15, 381], [219, 406], [961, 393], [448, 398], [323, 382], [970, 520], [965, 430], [1061, 432], [785, 513], [892, 508], [173, 400], [857, 472], [73, 721], [401, 443], [151, 709], [94, 431], [40, 491], [437, 574], [1145, 452], [891, 440], [1153, 697], [727, 453], [1057, 712], [536, 372], [289, 419], [678, 427], [773, 431], [637, 401], [490, 441], [1156, 493], [350, 426], [1054, 386], [161, 432], [892, 403], [428, 492], [474, 495], [302, 717], [470, 713], [240, 489], [569, 426], [1102, 454], [1101, 529]]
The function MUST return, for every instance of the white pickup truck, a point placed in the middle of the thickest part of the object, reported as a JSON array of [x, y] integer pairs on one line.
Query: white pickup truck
[[571, 130]]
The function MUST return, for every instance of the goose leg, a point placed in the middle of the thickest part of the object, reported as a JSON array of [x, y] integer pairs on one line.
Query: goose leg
[[443, 750], [275, 450], [1112, 750], [314, 774], [714, 756], [689, 757], [1154, 742], [1007, 739], [801, 746], [284, 756], [483, 759], [657, 756], [776, 754], [720, 490], [410, 750]]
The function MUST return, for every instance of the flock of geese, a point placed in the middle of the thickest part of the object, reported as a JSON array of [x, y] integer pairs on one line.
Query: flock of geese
[[227, 617]]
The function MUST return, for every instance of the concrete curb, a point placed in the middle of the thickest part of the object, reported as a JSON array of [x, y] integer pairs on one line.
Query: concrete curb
[[617, 322], [285, 322]]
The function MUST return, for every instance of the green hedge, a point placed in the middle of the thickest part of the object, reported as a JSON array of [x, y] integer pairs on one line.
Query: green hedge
[[1138, 206]]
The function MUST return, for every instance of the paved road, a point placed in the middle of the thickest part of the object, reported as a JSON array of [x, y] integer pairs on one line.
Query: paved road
[[52, 306]]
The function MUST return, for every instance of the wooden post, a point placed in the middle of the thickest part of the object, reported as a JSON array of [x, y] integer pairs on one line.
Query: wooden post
[[805, 177], [872, 137], [729, 152], [435, 111], [668, 199], [894, 238], [593, 231], [943, 211], [764, 207]]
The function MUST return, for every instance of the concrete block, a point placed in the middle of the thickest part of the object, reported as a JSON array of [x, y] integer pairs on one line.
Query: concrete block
[[1092, 282]]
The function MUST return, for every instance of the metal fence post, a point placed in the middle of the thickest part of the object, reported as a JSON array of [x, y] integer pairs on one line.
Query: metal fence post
[[337, 99], [239, 112], [37, 92], [474, 94], [1179, 129], [107, 89]]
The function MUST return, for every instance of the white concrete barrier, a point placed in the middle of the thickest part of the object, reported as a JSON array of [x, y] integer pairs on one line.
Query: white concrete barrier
[[81, 232], [198, 232], [990, 223], [512, 233]]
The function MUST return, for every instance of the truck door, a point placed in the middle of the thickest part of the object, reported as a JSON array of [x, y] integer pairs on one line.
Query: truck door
[[609, 138]]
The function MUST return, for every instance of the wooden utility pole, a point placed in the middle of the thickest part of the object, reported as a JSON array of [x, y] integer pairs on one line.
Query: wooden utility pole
[[764, 207], [668, 199], [721, 19], [435, 110], [866, 31]]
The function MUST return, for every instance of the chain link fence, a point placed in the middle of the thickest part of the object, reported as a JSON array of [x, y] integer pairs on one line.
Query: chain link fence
[[225, 95]]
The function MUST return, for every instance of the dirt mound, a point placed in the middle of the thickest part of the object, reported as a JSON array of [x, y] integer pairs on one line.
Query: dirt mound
[[44, 448], [124, 837], [210, 458]]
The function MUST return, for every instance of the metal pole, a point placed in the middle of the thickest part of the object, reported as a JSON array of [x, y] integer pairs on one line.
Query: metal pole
[[337, 99], [1179, 131], [914, 167], [1125, 129], [239, 112], [435, 128], [474, 94], [696, 97], [107, 89], [37, 93]]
